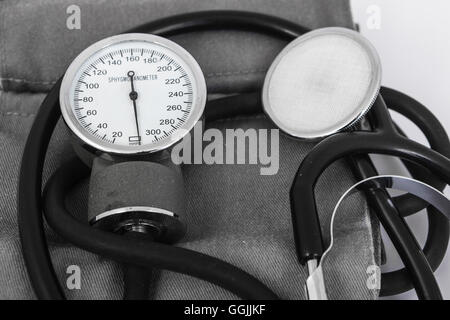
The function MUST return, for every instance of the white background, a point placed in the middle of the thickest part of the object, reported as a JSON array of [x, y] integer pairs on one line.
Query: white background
[[413, 40]]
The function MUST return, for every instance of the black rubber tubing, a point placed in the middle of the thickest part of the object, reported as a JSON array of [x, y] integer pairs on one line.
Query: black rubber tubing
[[436, 245], [140, 252], [31, 227], [416, 264], [399, 281], [418, 268], [224, 20], [434, 132], [136, 282], [136, 279], [381, 204]]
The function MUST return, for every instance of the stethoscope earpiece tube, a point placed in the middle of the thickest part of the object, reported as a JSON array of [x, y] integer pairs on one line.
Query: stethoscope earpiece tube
[[435, 248], [307, 231], [386, 141], [381, 204], [371, 187], [437, 138]]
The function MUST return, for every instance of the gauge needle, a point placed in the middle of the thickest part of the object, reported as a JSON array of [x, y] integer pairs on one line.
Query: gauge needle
[[133, 97]]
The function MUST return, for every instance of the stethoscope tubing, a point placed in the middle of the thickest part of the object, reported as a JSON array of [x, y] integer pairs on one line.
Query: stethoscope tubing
[[382, 141], [432, 196]]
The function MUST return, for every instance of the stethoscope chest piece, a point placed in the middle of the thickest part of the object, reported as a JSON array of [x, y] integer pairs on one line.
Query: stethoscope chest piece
[[322, 83]]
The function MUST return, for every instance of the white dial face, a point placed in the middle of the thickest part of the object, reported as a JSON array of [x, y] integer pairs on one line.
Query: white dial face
[[138, 93]]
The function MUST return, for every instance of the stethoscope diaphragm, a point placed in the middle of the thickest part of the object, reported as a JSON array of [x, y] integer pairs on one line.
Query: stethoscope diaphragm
[[322, 83]]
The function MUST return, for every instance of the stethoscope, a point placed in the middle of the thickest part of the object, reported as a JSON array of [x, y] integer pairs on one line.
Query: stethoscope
[[114, 145]]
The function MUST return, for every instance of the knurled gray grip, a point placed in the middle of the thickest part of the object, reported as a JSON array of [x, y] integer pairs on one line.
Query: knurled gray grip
[[151, 186]]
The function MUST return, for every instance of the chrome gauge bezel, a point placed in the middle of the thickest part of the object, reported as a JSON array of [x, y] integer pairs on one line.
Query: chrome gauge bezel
[[198, 104]]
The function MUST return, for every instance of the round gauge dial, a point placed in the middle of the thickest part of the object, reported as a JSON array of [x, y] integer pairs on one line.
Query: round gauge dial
[[133, 93]]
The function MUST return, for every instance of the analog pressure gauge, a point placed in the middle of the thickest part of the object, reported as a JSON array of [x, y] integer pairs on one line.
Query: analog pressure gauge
[[132, 94]]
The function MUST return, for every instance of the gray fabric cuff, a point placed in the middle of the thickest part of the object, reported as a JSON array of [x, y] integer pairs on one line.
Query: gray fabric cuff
[[36, 45]]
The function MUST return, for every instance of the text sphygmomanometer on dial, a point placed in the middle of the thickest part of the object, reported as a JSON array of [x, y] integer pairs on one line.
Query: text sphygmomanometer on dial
[[133, 93]]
